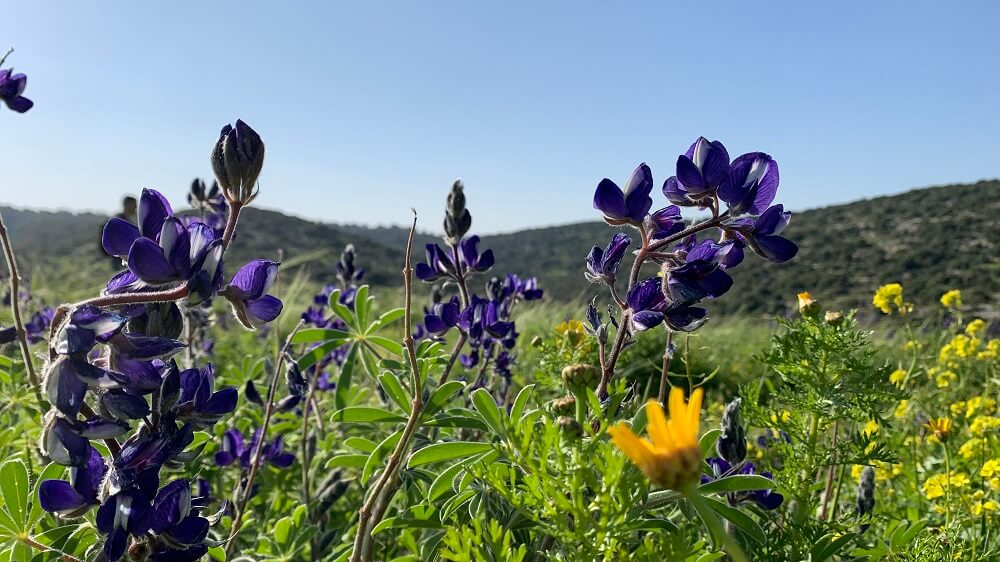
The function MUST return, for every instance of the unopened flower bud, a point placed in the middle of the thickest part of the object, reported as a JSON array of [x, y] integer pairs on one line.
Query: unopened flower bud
[[569, 427], [237, 159], [807, 305], [866, 491], [494, 289], [163, 320], [537, 341], [457, 220], [563, 406], [579, 377], [833, 317], [732, 443]]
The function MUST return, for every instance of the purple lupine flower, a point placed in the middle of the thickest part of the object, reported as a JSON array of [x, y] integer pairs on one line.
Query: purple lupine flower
[[646, 300], [11, 87], [766, 499], [197, 401], [347, 273], [234, 449], [602, 265], [628, 206], [438, 265], [442, 317], [472, 260], [700, 276], [685, 318], [700, 172], [36, 328], [247, 293], [751, 184], [76, 497], [237, 159], [665, 222], [122, 514], [526, 288], [764, 237]]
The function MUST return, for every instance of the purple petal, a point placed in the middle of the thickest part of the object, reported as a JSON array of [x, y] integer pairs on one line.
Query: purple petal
[[153, 210], [57, 496], [675, 193], [125, 281], [146, 261], [118, 236], [772, 221], [646, 319], [775, 248], [19, 104], [637, 190], [644, 293], [191, 530], [125, 406], [610, 200], [222, 402], [176, 246], [689, 175], [254, 279], [283, 460], [171, 505], [264, 309], [64, 388]]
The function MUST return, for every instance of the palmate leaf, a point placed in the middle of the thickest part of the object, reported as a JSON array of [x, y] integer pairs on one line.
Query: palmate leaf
[[15, 489]]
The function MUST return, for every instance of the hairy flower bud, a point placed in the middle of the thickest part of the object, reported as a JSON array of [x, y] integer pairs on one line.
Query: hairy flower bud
[[494, 289], [457, 220], [569, 427], [834, 318], [236, 160], [579, 377], [162, 320], [866, 492], [563, 406], [807, 305], [732, 443]]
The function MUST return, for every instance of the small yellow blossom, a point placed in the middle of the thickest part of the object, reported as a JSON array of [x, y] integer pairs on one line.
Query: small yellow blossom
[[978, 508], [952, 299], [984, 424], [994, 483], [992, 351], [890, 297], [784, 416], [975, 328], [957, 408], [572, 330], [990, 468], [977, 404], [896, 377], [970, 448], [807, 305], [671, 457], [936, 486], [911, 345], [945, 378], [871, 428], [901, 409], [941, 427]]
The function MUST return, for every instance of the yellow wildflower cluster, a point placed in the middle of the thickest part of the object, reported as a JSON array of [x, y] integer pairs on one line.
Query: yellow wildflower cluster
[[990, 468], [977, 508], [992, 351], [883, 470], [976, 327], [952, 299], [890, 297], [976, 405], [572, 330], [971, 448], [936, 486], [897, 377], [984, 424], [902, 409]]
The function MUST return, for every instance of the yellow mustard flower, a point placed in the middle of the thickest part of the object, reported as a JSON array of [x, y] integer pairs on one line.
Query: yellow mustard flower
[[984, 424], [978, 508], [671, 457], [994, 483], [970, 448], [807, 305], [936, 486], [890, 297], [957, 408], [572, 330], [992, 351], [977, 404], [976, 327], [910, 345], [952, 299], [871, 428], [941, 427], [901, 409], [945, 378], [896, 377], [990, 468], [784, 416]]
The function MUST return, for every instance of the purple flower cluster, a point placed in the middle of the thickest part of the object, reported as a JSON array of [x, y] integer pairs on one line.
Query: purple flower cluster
[[485, 323], [11, 90], [692, 270], [766, 499], [111, 376]]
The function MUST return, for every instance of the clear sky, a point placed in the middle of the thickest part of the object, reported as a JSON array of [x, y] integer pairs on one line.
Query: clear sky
[[369, 108]]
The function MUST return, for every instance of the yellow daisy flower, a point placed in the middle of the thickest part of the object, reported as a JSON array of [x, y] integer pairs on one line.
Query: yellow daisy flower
[[671, 457], [941, 427]]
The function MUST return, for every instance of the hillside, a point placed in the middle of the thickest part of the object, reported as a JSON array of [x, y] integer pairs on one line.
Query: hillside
[[928, 239]]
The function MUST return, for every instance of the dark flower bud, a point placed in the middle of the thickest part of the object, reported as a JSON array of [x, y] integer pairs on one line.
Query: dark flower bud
[[297, 385], [494, 289], [732, 444], [866, 492], [569, 427], [537, 341], [252, 394], [578, 378], [436, 294], [170, 389], [236, 160], [288, 403], [162, 320], [457, 220], [8, 335], [563, 406]]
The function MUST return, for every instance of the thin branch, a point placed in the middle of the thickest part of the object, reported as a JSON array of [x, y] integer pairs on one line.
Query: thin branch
[[15, 307], [259, 446]]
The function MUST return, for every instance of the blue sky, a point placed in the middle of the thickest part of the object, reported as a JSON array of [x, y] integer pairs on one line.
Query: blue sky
[[369, 108]]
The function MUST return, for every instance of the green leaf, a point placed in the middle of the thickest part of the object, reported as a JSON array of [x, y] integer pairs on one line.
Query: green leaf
[[738, 518], [467, 422], [344, 381], [282, 529], [362, 306], [828, 545], [487, 408], [708, 442], [390, 383], [361, 444], [387, 317], [441, 396], [347, 461], [313, 335], [15, 486], [316, 354], [442, 484], [365, 414], [217, 553], [378, 455], [342, 311], [447, 451], [521, 402], [736, 483], [387, 344]]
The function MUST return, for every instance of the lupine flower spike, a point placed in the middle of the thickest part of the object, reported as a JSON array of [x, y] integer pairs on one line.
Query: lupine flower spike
[[671, 457]]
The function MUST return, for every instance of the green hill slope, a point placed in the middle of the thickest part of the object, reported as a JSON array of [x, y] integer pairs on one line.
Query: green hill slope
[[928, 239]]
